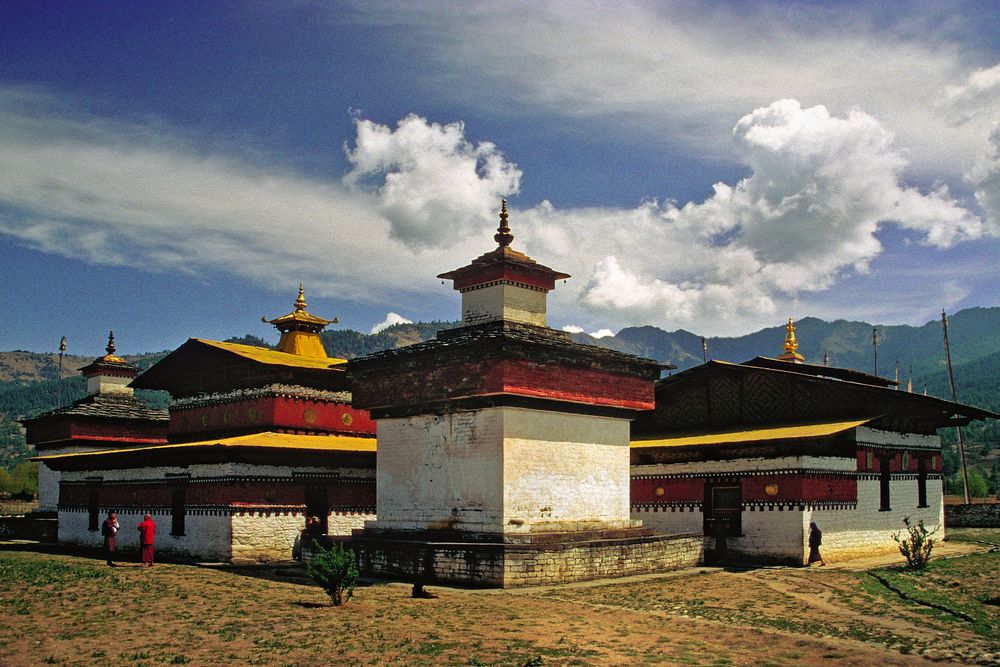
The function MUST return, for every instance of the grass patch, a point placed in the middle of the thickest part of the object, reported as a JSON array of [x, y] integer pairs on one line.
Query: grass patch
[[962, 585]]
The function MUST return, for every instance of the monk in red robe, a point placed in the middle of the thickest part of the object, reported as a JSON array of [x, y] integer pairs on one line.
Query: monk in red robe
[[147, 531], [109, 529]]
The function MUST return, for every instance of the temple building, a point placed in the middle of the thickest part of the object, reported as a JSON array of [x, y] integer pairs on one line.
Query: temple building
[[508, 455], [754, 452], [109, 416], [258, 439], [503, 455]]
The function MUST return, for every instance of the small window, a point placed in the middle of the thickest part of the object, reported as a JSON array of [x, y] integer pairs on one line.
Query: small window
[[906, 461], [93, 505], [177, 510], [884, 480], [869, 464], [922, 481]]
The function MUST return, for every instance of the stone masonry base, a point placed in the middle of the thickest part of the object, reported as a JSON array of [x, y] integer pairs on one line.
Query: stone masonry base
[[550, 558]]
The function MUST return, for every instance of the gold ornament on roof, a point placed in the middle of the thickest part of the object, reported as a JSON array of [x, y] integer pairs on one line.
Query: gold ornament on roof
[[503, 237], [791, 345], [110, 356], [300, 330]]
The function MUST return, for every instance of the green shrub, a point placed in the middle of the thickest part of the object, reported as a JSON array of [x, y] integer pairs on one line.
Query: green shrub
[[21, 483], [916, 547], [334, 569]]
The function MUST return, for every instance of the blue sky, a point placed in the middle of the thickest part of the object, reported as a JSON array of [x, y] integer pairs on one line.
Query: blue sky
[[173, 170]]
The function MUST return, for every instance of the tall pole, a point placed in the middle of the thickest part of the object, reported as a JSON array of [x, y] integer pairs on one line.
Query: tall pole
[[704, 349], [62, 351], [875, 347], [954, 398]]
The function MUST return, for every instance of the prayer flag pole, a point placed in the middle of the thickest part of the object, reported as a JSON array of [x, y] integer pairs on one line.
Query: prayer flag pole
[[62, 351], [954, 398], [875, 347]]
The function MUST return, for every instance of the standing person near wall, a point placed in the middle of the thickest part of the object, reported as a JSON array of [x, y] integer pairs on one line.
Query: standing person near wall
[[147, 531], [815, 539], [109, 529]]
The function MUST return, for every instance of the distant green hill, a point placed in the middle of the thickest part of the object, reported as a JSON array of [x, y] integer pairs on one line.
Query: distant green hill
[[28, 387]]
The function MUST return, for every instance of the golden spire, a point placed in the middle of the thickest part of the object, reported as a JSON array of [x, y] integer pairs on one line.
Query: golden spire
[[791, 345], [300, 303], [110, 356], [503, 237]]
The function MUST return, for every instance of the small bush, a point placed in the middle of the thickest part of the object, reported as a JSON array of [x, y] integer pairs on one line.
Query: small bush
[[916, 548], [334, 570]]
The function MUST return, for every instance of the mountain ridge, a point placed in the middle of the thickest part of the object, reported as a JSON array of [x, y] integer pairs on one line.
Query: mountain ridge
[[28, 386]]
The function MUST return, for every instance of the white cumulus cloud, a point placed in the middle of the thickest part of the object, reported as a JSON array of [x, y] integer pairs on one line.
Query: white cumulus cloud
[[431, 183], [572, 328], [421, 198], [820, 188], [390, 319]]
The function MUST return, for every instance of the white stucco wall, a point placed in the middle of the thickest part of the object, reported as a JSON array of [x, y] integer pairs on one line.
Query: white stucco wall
[[441, 471], [671, 520], [109, 384], [784, 533], [866, 530], [502, 470], [207, 538], [211, 534], [867, 434], [506, 302], [48, 479], [564, 471]]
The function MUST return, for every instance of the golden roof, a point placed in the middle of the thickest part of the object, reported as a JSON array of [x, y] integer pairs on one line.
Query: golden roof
[[815, 430], [300, 330], [274, 357], [265, 440]]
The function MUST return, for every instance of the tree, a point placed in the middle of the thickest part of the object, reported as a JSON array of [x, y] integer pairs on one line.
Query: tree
[[334, 570], [978, 488], [916, 547], [21, 482]]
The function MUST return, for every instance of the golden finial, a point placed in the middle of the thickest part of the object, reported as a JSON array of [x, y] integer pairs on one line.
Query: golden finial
[[110, 356], [503, 237], [791, 345], [300, 303]]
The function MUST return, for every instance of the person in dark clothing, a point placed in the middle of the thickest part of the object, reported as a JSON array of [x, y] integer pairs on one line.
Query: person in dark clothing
[[109, 529], [815, 539]]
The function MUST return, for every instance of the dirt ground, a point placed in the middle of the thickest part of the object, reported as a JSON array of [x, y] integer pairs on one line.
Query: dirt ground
[[73, 610]]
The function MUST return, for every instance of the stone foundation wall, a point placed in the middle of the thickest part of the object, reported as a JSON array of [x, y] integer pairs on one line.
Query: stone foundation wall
[[986, 515], [518, 565], [265, 536]]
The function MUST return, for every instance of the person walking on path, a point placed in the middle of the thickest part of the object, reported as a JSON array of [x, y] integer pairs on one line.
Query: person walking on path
[[815, 539], [109, 529], [147, 531]]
